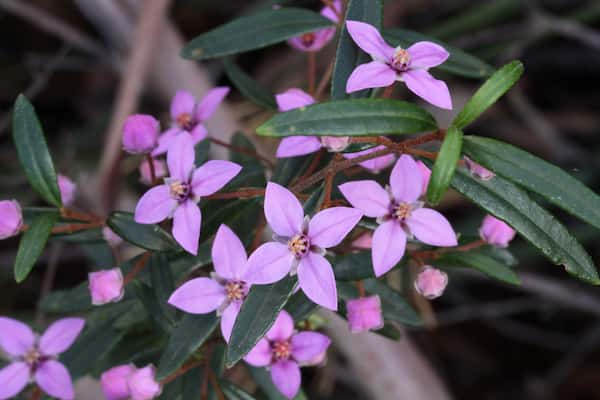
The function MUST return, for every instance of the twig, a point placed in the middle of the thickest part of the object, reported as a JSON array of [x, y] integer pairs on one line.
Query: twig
[[139, 265], [243, 193], [324, 81], [150, 161], [243, 150], [312, 71], [181, 371], [215, 384]]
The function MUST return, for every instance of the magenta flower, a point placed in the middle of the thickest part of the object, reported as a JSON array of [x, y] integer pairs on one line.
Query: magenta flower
[[11, 218], [300, 245], [496, 232], [115, 382], [478, 170], [160, 171], [67, 189], [431, 282], [315, 41], [375, 165], [143, 385], [364, 314], [227, 289], [189, 116], [425, 174], [397, 64], [178, 196], [400, 214], [36, 359], [284, 351], [106, 286], [140, 134]]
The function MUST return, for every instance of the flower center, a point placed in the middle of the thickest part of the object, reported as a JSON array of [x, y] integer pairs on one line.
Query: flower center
[[282, 350], [179, 190], [400, 59], [401, 211], [236, 290], [32, 357], [307, 39], [185, 121], [299, 245]]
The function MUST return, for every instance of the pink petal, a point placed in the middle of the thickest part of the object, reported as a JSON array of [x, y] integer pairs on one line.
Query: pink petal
[[269, 263], [432, 90], [282, 328], [317, 281], [328, 13], [368, 38], [16, 338], [367, 196], [426, 55], [406, 180], [60, 335], [156, 204], [431, 282], [389, 243], [180, 157], [425, 174], [496, 232], [183, 103], [364, 241], [364, 314], [286, 376], [374, 165], [13, 378], [186, 226], [198, 296], [199, 133], [260, 355], [228, 319], [212, 176], [67, 189], [165, 141], [54, 379], [283, 211], [298, 146], [209, 103], [329, 227], [293, 98], [114, 382], [228, 254], [308, 345], [319, 40], [371, 75], [431, 227]]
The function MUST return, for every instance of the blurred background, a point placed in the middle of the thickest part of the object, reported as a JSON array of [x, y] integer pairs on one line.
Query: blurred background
[[86, 64]]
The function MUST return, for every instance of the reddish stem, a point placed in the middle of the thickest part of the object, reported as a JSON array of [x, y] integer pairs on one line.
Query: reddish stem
[[387, 93], [137, 268], [152, 170], [361, 289], [312, 72], [72, 228], [181, 371]]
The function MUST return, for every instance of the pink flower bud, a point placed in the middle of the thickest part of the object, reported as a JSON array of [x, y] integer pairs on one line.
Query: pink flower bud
[[496, 232], [111, 238], [364, 314], [114, 382], [143, 385], [364, 241], [425, 174], [160, 170], [106, 286], [140, 134], [431, 282], [335, 143], [478, 170], [11, 219], [67, 189]]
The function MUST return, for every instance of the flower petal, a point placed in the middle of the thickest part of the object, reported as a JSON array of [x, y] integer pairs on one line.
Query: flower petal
[[60, 335], [308, 345], [186, 226], [328, 13], [183, 103], [319, 40], [165, 141], [16, 338], [317, 281], [293, 98], [54, 379], [283, 211], [367, 196], [13, 378], [199, 133], [406, 180], [374, 165], [286, 376], [212, 176], [228, 254], [432, 90], [228, 319], [209, 103], [180, 157], [260, 355], [368, 38], [297, 146], [156, 204], [198, 296], [370, 75], [431, 227], [282, 328], [329, 227], [269, 263], [389, 243], [426, 55]]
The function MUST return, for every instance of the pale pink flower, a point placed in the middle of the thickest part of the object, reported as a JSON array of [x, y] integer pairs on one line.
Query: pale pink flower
[[11, 218], [160, 171], [496, 232], [67, 189], [364, 241], [431, 282], [364, 314], [315, 41], [143, 385], [106, 286], [478, 170], [140, 134], [111, 238], [374, 165], [115, 382]]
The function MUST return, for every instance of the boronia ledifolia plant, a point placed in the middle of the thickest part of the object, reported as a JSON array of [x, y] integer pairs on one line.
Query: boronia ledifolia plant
[[237, 256]]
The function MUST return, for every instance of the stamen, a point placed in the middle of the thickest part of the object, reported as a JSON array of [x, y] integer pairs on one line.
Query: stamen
[[307, 39], [282, 350], [401, 211], [185, 121], [180, 191], [299, 245], [236, 290], [401, 59]]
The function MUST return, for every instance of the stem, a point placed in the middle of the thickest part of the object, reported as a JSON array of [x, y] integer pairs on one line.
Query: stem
[[73, 214], [72, 228], [243, 193], [36, 394], [215, 384], [312, 72], [137, 268], [181, 371], [387, 93], [324, 81], [243, 150], [152, 170], [314, 164], [435, 254], [361, 289]]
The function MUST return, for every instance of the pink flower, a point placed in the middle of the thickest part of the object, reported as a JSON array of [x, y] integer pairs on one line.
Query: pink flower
[[111, 238], [228, 288], [496, 232], [36, 359], [315, 41], [189, 116], [400, 214], [67, 189], [285, 351], [11, 218], [140, 134], [364, 314], [143, 385], [397, 64], [106, 286], [431, 282], [177, 198], [478, 170], [300, 245], [425, 174], [160, 171], [364, 241], [115, 382], [375, 165]]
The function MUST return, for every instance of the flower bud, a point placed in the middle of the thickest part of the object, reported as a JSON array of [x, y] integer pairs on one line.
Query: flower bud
[[140, 134], [11, 219], [111, 238], [364, 314], [114, 382], [496, 232], [431, 282], [143, 385], [425, 174], [106, 286], [478, 170], [335, 143], [67, 189], [160, 171], [364, 241]]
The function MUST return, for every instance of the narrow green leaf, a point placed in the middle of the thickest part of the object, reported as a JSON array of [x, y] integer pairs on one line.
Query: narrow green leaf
[[353, 267], [357, 117], [489, 93], [300, 307], [287, 169], [67, 301], [149, 237], [479, 261], [152, 305], [184, 264], [253, 170], [201, 150], [239, 215], [191, 390], [233, 392], [33, 151], [254, 32], [311, 205], [162, 283], [445, 165], [32, 244], [248, 86]]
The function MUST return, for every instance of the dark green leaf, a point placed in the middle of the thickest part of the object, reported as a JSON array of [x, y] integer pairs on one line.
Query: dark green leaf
[[311, 205], [149, 237], [353, 266], [162, 283], [287, 169], [201, 150], [185, 263], [394, 306], [248, 86], [67, 301], [253, 171], [32, 244], [299, 306], [152, 305], [232, 392], [479, 261], [192, 389], [239, 215], [445, 165]]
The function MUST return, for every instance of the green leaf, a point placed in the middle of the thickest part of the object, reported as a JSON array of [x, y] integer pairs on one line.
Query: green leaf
[[536, 175], [445, 165], [32, 244], [201, 150], [394, 306], [479, 261], [353, 267], [349, 55], [189, 334], [162, 283], [248, 86], [287, 169], [253, 171], [489, 93], [257, 315], [149, 237], [185, 263], [239, 215], [33, 151], [358, 117], [67, 301], [300, 307], [152, 305], [232, 392], [254, 32]]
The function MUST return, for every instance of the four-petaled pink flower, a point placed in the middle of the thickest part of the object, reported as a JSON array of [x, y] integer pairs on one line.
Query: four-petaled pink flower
[[227, 289], [178, 196], [400, 214], [398, 64], [364, 314], [189, 116], [315, 41], [300, 245], [285, 351], [33, 358]]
